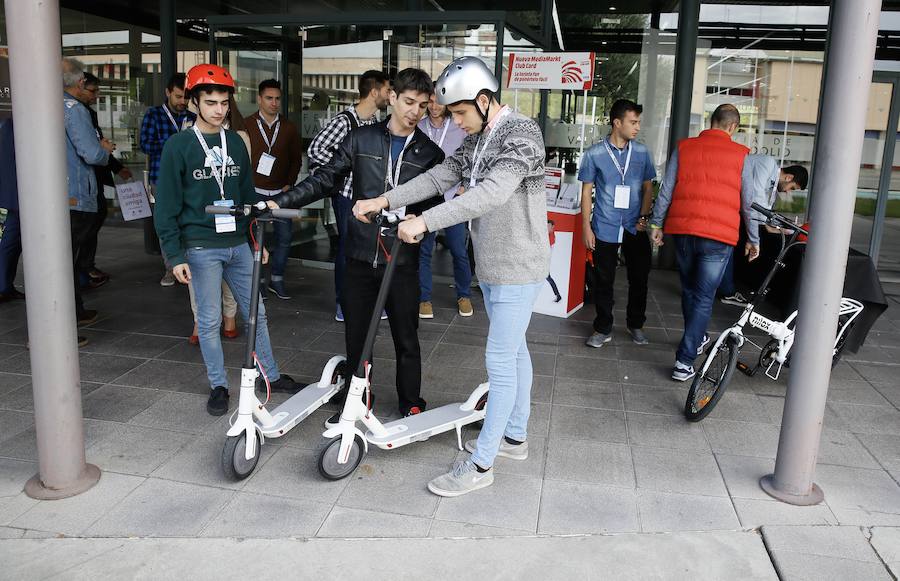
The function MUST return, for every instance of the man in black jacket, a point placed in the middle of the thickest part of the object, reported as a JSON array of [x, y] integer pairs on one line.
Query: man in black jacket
[[91, 276], [380, 157]]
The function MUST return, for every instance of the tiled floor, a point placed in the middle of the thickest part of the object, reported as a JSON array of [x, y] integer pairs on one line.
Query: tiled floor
[[610, 449]]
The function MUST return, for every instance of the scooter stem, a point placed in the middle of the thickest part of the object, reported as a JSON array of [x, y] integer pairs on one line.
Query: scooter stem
[[383, 290], [259, 233]]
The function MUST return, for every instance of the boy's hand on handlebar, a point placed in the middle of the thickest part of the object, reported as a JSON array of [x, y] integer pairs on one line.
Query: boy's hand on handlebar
[[182, 273], [751, 252], [411, 228], [363, 208], [272, 205]]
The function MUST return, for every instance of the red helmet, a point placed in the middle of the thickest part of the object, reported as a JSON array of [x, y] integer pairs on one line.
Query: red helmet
[[207, 74]]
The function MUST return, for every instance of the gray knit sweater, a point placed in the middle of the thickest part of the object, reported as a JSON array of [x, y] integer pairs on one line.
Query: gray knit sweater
[[507, 207]]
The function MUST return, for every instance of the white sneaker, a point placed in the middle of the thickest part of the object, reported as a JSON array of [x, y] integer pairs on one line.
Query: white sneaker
[[682, 372], [462, 479], [507, 450], [737, 299], [703, 345]]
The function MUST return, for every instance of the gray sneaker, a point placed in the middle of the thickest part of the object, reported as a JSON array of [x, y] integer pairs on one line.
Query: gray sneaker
[[507, 450], [168, 279], [598, 339], [462, 479], [638, 337]]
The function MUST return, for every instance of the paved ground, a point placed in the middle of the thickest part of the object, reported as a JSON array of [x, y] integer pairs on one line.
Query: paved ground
[[610, 450]]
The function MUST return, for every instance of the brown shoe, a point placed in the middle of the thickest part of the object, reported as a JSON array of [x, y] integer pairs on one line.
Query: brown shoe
[[465, 307], [426, 311], [82, 341], [87, 317]]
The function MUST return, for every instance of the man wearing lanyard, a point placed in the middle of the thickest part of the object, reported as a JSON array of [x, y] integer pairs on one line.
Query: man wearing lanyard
[[159, 124], [199, 167], [379, 157], [619, 170], [502, 162], [275, 156], [439, 127]]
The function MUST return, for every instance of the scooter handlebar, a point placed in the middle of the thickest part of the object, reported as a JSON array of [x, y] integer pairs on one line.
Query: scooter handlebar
[[257, 209]]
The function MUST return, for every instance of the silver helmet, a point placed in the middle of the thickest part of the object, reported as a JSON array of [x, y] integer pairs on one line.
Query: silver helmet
[[463, 80]]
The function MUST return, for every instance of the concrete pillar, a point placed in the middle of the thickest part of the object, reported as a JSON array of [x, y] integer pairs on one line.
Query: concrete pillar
[[851, 57], [35, 51]]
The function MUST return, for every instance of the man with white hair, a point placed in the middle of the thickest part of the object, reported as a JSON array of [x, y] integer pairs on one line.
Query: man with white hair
[[83, 151]]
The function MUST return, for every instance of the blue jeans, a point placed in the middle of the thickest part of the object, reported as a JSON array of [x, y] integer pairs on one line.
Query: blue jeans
[[209, 266], [462, 274], [342, 212], [10, 251], [508, 365], [701, 264], [726, 287], [282, 231]]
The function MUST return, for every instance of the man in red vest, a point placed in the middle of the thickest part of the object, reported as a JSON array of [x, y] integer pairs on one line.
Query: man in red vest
[[701, 203]]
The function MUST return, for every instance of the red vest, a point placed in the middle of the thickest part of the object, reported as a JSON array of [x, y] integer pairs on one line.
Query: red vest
[[707, 197]]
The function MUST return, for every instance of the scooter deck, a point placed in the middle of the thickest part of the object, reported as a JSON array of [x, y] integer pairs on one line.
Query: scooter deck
[[298, 408], [422, 426]]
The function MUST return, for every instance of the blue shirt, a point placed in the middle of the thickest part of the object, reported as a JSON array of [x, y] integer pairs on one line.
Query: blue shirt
[[608, 222], [156, 129], [397, 145], [83, 151]]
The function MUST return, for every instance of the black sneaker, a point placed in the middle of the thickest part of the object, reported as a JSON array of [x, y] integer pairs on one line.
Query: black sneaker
[[217, 405], [285, 384], [276, 287], [332, 422]]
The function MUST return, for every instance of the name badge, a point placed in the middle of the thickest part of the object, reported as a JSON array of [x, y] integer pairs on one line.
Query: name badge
[[266, 162], [225, 223], [623, 197]]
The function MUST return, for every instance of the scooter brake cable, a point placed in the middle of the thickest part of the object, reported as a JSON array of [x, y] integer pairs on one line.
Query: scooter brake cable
[[262, 371]]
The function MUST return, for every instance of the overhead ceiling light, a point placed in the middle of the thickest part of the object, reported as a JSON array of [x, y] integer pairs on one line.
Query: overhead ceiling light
[[612, 8]]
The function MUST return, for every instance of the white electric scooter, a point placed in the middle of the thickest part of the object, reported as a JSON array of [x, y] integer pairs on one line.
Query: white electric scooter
[[254, 423], [348, 444]]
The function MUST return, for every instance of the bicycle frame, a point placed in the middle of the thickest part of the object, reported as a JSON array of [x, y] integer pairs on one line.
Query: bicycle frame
[[781, 331]]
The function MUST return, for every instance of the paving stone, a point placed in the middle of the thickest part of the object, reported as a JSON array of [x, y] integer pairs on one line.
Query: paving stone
[[876, 373], [11, 381], [741, 438], [456, 530], [575, 346], [847, 542], [184, 412], [865, 419], [589, 394], [259, 516], [666, 512], [71, 516], [579, 508], [105, 368], [391, 486], [855, 392], [15, 505], [742, 474], [292, 472], [510, 502], [14, 423], [351, 522], [654, 401], [678, 471], [859, 489], [161, 508], [590, 462], [657, 374], [588, 368], [755, 513], [118, 403], [886, 542], [200, 462], [22, 399], [664, 432], [843, 448], [885, 448], [577, 423], [134, 449], [167, 375]]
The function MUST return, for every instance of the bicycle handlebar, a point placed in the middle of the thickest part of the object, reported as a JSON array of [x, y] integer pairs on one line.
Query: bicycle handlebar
[[778, 219], [253, 210]]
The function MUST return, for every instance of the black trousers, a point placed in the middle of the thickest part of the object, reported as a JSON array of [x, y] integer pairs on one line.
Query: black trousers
[[636, 250], [82, 224], [361, 283], [87, 254]]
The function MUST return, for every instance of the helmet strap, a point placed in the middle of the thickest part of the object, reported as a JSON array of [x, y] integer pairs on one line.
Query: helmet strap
[[484, 114]]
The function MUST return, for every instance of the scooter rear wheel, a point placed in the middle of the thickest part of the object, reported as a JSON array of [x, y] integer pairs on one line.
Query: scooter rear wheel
[[328, 464], [234, 461]]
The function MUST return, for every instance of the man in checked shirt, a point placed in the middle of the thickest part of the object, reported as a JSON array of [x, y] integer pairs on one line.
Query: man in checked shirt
[[374, 96]]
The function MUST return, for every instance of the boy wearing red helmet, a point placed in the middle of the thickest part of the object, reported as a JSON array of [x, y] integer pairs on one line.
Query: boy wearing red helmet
[[202, 166]]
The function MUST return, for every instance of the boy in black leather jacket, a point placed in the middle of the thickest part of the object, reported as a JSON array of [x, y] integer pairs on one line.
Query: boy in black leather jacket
[[377, 158]]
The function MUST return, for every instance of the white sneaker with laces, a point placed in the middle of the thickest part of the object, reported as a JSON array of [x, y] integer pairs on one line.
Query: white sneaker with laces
[[682, 372], [462, 479], [703, 345], [737, 299]]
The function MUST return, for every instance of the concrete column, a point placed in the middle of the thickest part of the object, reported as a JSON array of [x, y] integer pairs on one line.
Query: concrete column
[[35, 51], [851, 57], [685, 55]]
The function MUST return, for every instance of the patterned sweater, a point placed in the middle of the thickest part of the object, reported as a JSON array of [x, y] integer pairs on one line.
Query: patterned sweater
[[507, 206]]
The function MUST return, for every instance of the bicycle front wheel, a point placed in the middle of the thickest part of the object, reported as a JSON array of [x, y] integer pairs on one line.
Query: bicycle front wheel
[[710, 383]]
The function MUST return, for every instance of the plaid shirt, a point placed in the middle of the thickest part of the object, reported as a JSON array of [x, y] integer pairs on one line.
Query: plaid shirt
[[326, 141], [156, 129]]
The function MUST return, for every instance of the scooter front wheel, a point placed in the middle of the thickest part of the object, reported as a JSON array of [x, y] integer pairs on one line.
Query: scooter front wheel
[[234, 457], [328, 464]]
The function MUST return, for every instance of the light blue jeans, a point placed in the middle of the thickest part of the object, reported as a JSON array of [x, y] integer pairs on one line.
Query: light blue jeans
[[508, 365], [209, 266]]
